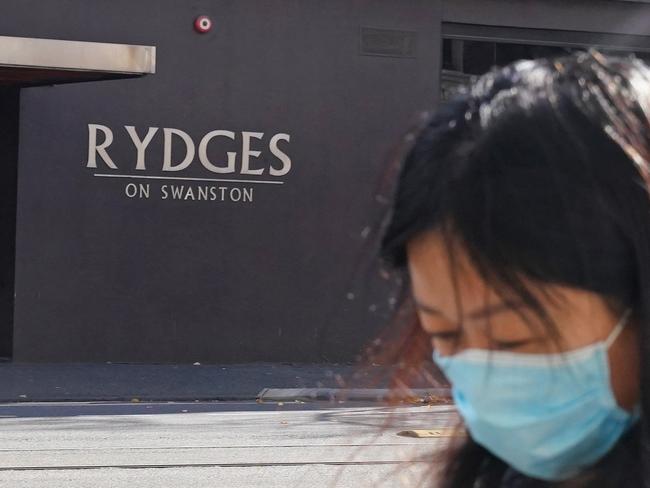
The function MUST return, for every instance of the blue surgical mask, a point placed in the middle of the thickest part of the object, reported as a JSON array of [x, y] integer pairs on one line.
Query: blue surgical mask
[[547, 416]]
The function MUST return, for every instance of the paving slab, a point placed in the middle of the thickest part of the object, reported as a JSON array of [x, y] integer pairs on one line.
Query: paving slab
[[217, 444], [355, 394], [359, 476]]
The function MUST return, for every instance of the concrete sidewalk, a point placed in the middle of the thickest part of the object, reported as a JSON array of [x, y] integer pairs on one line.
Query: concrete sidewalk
[[153, 382]]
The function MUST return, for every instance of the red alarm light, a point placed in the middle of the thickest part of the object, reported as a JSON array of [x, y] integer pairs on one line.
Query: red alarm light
[[203, 24]]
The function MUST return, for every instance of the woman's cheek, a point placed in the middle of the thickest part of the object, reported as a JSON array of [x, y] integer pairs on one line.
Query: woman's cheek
[[444, 348]]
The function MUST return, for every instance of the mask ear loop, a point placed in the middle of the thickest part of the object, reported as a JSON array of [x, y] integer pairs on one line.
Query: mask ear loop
[[618, 329]]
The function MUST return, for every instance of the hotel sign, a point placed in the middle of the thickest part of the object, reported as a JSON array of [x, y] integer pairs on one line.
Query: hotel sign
[[255, 159]]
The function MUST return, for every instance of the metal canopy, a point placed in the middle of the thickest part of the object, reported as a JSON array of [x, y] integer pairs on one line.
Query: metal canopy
[[29, 61]]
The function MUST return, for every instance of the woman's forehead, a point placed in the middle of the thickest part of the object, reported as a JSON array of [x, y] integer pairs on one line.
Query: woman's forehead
[[443, 278], [442, 275]]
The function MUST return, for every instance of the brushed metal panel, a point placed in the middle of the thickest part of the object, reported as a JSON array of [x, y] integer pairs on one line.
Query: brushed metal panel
[[57, 54]]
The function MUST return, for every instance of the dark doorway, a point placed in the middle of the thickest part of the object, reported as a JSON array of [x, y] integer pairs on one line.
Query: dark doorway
[[9, 114]]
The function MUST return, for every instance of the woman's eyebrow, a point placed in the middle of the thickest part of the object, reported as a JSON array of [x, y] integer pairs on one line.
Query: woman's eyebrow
[[480, 313]]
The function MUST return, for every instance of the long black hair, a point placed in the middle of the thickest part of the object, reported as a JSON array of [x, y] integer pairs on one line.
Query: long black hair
[[540, 171]]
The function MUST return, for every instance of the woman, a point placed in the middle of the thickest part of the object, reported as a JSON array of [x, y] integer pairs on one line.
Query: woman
[[522, 216]]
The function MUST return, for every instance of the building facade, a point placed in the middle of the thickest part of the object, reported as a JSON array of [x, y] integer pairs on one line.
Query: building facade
[[221, 209]]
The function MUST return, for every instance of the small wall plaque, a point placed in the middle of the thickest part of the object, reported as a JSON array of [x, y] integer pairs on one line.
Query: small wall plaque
[[388, 42]]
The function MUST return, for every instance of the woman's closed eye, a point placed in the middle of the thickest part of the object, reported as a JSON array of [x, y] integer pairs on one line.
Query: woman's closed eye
[[510, 344], [446, 335]]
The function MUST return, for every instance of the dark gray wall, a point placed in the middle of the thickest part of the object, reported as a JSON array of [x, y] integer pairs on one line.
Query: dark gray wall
[[101, 277]]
